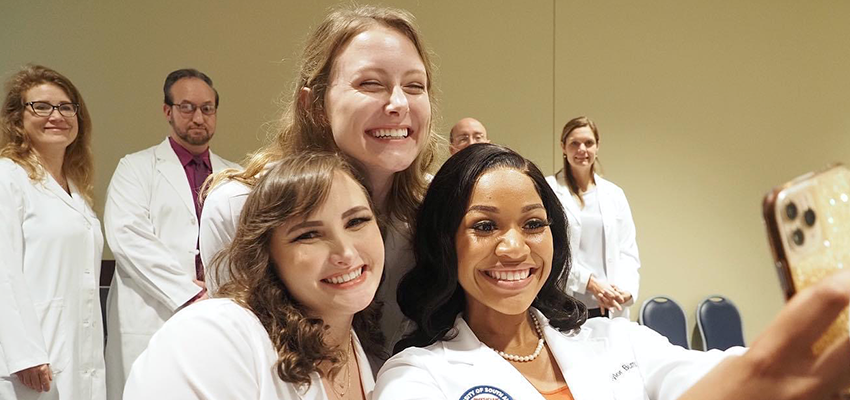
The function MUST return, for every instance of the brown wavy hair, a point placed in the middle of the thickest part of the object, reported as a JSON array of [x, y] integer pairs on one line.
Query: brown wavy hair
[[303, 125], [16, 144], [573, 124], [292, 188]]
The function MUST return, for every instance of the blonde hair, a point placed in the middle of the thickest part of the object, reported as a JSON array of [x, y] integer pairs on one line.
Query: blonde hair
[[573, 124], [294, 188], [16, 143], [303, 125]]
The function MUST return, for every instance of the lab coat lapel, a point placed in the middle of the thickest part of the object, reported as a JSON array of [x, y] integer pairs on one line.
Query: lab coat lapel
[[567, 199], [581, 361], [486, 367], [74, 200], [169, 166]]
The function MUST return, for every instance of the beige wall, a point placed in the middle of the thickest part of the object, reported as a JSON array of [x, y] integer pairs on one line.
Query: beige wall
[[702, 107]]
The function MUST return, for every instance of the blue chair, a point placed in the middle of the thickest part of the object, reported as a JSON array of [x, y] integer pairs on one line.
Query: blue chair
[[666, 317], [719, 323]]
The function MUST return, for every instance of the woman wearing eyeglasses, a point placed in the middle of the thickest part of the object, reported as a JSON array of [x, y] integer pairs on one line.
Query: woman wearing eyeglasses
[[51, 334]]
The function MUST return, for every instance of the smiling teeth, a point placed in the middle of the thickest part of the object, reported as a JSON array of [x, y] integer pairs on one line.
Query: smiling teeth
[[345, 278], [509, 275], [390, 133]]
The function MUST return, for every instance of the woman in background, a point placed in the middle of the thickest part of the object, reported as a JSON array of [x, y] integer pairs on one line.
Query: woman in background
[[303, 266], [604, 274], [51, 334], [363, 90]]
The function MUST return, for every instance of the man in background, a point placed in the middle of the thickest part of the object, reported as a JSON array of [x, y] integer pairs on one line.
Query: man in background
[[467, 131], [151, 223]]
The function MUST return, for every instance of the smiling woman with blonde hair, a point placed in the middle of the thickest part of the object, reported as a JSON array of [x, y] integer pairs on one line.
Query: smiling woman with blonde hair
[[363, 89], [51, 334]]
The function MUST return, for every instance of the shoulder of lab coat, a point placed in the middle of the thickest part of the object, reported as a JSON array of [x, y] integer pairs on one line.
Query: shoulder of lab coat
[[20, 331], [605, 359], [217, 349], [219, 219]]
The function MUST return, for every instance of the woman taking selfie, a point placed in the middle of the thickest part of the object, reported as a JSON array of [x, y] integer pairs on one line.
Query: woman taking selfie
[[485, 296], [604, 274], [493, 323], [364, 90], [51, 333], [294, 317]]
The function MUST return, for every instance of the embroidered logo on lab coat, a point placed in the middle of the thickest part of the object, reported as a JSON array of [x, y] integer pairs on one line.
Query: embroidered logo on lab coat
[[485, 393]]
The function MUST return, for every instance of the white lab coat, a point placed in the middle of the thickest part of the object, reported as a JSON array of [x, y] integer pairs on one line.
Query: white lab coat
[[152, 229], [217, 349], [50, 251], [607, 359], [621, 250], [220, 217]]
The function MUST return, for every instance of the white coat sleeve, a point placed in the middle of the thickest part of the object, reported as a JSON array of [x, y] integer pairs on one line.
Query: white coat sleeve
[[201, 357], [405, 377], [20, 332], [627, 276], [669, 370], [219, 219], [139, 251]]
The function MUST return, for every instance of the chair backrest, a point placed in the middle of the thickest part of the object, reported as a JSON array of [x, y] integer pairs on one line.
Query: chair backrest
[[719, 323], [666, 317]]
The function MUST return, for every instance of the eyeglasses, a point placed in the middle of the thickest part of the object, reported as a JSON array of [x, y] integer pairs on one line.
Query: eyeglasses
[[44, 109], [189, 108]]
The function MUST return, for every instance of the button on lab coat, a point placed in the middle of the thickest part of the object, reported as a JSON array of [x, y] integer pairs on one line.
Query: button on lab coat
[[608, 359], [50, 252]]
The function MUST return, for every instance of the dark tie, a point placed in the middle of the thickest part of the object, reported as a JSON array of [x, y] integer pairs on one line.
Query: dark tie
[[200, 174]]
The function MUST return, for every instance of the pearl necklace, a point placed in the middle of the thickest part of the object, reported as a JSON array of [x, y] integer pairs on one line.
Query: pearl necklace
[[530, 357]]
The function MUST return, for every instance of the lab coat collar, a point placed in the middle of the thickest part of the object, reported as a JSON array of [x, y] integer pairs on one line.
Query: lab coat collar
[[74, 200], [170, 167], [579, 356]]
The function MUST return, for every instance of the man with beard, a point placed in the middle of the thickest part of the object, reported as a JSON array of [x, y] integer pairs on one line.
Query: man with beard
[[151, 224]]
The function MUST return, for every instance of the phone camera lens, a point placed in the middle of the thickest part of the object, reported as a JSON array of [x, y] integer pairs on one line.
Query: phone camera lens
[[809, 217], [798, 237], [791, 211]]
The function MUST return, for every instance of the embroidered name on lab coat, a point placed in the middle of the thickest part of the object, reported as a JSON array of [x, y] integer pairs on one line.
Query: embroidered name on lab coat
[[623, 369], [485, 393]]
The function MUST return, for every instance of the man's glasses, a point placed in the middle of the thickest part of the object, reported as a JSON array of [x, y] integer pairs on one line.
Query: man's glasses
[[44, 109], [189, 108]]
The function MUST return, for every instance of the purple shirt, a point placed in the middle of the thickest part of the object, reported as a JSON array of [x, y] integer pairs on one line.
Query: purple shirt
[[197, 168], [195, 173]]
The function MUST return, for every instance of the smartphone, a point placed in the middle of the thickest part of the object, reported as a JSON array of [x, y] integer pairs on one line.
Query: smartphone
[[808, 226]]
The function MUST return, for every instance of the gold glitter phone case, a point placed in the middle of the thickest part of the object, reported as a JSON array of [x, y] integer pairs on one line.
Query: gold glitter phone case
[[808, 225]]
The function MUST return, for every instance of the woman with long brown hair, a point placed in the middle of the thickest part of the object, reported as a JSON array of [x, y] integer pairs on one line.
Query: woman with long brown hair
[[363, 90], [604, 252], [51, 334], [294, 316]]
